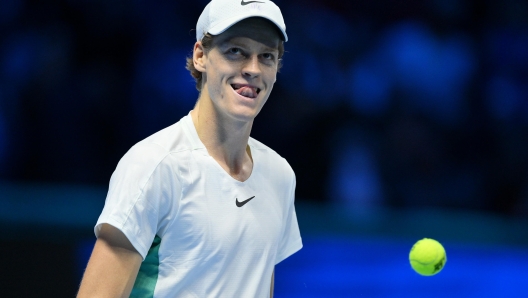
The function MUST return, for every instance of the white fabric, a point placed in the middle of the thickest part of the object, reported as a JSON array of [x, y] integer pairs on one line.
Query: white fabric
[[168, 185], [219, 15]]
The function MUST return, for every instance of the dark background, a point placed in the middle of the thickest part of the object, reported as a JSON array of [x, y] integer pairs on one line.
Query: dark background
[[381, 107]]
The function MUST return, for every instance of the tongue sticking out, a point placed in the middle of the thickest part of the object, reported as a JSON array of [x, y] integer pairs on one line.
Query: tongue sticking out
[[247, 92]]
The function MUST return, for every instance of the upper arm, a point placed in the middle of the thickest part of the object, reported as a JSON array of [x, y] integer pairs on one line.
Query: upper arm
[[272, 283], [113, 266]]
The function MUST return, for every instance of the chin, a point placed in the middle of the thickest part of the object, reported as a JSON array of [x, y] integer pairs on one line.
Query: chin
[[244, 116], [247, 111]]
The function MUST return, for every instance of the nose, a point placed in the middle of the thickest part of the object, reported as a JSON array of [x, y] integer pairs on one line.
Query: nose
[[251, 67]]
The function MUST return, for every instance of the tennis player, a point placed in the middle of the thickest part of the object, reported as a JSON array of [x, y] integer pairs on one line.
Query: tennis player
[[201, 209]]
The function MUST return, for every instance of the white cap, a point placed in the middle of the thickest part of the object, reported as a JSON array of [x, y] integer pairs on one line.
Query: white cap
[[219, 15]]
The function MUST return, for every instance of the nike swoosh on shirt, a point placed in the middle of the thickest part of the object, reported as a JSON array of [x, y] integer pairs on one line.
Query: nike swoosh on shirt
[[240, 204], [249, 2]]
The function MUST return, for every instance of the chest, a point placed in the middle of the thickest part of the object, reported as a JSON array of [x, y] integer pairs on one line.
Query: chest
[[219, 216]]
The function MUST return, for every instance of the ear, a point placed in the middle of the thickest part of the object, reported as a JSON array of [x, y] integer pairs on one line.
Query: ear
[[199, 57]]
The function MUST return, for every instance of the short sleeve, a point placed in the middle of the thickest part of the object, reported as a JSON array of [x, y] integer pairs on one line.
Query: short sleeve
[[142, 191], [291, 240]]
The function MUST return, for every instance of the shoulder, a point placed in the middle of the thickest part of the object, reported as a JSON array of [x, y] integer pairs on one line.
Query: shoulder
[[272, 158], [151, 152], [171, 139]]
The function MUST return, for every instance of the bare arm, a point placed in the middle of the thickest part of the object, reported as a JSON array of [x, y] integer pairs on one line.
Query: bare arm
[[113, 266], [272, 283]]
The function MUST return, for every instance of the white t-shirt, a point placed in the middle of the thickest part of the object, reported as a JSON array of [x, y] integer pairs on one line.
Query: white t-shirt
[[180, 210]]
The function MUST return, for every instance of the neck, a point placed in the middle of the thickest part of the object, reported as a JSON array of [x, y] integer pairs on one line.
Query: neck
[[225, 138]]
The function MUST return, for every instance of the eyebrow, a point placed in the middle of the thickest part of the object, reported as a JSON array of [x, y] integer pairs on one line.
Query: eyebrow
[[243, 45]]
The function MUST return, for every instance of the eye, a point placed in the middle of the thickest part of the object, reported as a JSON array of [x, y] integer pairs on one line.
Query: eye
[[235, 51], [268, 56]]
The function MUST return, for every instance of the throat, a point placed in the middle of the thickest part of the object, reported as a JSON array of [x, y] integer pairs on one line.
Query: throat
[[238, 169], [225, 141]]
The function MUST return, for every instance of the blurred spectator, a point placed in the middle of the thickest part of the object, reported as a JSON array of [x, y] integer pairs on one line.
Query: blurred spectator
[[354, 182]]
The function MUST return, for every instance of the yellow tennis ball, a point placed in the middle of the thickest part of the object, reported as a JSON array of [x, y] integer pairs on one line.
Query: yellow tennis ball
[[427, 257]]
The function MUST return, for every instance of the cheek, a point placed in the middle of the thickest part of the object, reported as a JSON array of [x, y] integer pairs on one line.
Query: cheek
[[220, 74], [272, 78], [215, 88], [215, 80]]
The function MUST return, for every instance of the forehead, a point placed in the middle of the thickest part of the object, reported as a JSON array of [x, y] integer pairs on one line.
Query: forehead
[[258, 29]]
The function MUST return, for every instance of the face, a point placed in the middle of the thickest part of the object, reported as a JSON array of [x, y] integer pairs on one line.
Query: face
[[241, 67]]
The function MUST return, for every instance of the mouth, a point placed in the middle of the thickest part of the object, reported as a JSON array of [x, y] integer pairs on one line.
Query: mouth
[[246, 90]]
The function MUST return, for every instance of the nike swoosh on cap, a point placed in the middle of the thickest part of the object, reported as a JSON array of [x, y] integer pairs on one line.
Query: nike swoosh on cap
[[240, 204], [249, 2]]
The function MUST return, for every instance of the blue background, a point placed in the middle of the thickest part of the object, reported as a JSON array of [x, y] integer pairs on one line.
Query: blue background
[[402, 120]]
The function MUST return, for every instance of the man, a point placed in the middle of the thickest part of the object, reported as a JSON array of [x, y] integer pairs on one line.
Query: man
[[201, 209]]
